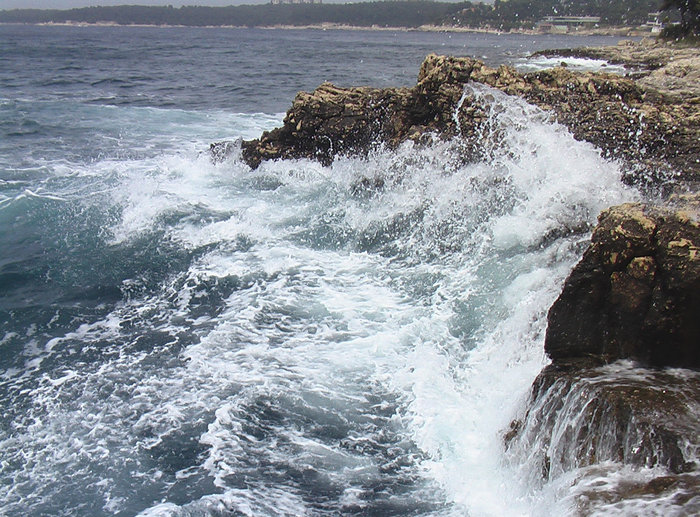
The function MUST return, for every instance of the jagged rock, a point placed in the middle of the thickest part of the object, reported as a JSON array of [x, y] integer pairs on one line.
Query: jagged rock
[[591, 420], [666, 105], [672, 71], [635, 294], [333, 121], [625, 119]]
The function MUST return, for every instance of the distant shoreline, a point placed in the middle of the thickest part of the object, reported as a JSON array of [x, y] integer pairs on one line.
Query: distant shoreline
[[608, 31]]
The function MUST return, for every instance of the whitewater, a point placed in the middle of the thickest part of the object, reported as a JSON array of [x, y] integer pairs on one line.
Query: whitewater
[[185, 338]]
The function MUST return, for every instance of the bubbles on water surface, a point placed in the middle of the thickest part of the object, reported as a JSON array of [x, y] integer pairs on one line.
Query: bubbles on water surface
[[320, 340]]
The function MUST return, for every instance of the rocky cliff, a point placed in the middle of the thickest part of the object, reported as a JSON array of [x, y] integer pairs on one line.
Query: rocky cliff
[[627, 318], [629, 310], [635, 294]]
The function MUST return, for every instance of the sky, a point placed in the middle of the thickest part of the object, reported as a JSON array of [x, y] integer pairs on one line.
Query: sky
[[68, 4]]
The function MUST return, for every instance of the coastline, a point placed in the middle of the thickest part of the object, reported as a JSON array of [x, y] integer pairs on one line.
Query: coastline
[[608, 31], [604, 109], [350, 339], [622, 386]]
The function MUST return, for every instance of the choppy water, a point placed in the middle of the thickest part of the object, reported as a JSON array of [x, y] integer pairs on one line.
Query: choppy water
[[183, 338]]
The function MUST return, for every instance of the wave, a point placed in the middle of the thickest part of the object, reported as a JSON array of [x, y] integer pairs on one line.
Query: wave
[[301, 339]]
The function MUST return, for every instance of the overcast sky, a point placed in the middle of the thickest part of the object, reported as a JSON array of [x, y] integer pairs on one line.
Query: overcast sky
[[67, 4]]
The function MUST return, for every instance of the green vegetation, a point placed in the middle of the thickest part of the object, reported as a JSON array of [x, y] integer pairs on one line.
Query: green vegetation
[[508, 14], [502, 15], [396, 14], [689, 26]]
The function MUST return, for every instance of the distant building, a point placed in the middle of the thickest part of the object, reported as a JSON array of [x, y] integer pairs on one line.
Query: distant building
[[564, 24], [654, 23], [277, 2]]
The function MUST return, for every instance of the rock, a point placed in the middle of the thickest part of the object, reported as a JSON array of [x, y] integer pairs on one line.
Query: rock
[[334, 121], [626, 119], [582, 423], [666, 132], [623, 386], [579, 417], [628, 311], [671, 71], [635, 294]]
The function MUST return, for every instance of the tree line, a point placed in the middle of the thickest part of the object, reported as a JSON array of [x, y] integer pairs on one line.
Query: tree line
[[395, 14], [503, 14]]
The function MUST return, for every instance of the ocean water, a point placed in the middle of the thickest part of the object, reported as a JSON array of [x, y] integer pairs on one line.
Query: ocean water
[[179, 338]]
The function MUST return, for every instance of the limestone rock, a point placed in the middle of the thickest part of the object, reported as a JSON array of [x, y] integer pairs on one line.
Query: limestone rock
[[591, 420], [624, 414], [635, 294], [673, 71], [667, 126], [626, 119], [333, 121]]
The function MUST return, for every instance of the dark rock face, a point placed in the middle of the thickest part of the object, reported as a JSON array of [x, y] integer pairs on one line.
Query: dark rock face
[[333, 121], [639, 125], [636, 292], [589, 419], [634, 295], [623, 414]]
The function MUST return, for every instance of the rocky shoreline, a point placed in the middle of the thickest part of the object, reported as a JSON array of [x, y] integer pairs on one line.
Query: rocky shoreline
[[635, 294], [646, 123]]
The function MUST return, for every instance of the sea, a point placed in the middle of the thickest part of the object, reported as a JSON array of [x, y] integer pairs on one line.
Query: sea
[[186, 338]]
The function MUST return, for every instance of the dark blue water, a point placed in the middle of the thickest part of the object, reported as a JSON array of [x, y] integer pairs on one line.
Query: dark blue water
[[180, 338], [243, 70]]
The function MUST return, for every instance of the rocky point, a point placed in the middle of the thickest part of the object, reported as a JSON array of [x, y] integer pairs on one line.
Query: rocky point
[[653, 131], [629, 314]]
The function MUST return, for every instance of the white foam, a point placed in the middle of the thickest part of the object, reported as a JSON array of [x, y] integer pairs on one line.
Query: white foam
[[408, 320], [578, 64]]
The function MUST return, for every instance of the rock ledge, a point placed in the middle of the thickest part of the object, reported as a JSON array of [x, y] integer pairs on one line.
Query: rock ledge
[[645, 126]]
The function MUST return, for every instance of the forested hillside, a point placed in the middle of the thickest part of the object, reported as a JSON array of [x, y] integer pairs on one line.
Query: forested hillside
[[501, 15]]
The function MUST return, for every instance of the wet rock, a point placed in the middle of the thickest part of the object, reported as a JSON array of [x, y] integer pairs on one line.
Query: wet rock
[[628, 313], [579, 416], [646, 126], [672, 71], [635, 294], [589, 421], [333, 121], [367, 187], [666, 132]]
